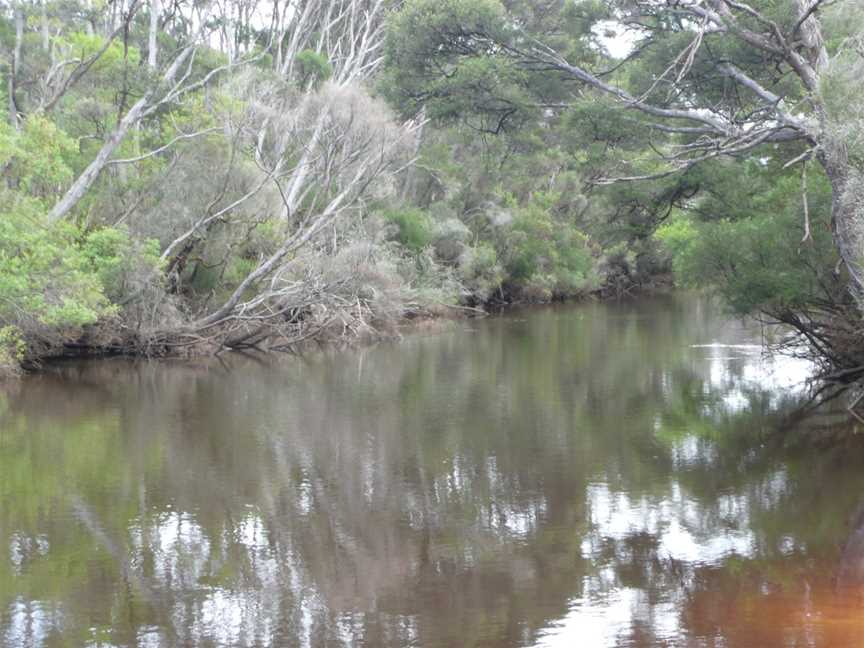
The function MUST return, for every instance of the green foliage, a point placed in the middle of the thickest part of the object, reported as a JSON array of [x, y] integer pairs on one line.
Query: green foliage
[[46, 280], [237, 269], [56, 279], [528, 249], [519, 199], [753, 253], [488, 86], [440, 56], [83, 45], [12, 343], [12, 351], [546, 258], [468, 62], [37, 158], [413, 227], [120, 261], [480, 271], [424, 27], [312, 68]]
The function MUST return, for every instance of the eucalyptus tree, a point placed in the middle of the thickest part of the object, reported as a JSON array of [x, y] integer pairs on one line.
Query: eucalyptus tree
[[321, 154], [150, 143], [347, 34], [168, 85], [346, 37]]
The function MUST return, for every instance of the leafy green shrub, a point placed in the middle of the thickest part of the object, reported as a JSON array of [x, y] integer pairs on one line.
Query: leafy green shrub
[[545, 258], [758, 261], [37, 159], [312, 67], [46, 280], [529, 244], [237, 270], [12, 351], [413, 227], [84, 45], [419, 40], [480, 272], [120, 262]]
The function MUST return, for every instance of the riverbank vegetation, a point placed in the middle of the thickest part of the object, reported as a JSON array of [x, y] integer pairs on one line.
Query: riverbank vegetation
[[187, 177]]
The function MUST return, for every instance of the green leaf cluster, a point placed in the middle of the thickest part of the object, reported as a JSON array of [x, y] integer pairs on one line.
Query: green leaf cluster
[[45, 278], [413, 227], [312, 68], [751, 250]]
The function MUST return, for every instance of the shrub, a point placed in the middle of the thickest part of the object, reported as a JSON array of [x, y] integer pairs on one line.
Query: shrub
[[480, 271], [121, 263], [312, 67], [413, 227], [36, 158], [758, 261], [544, 258], [449, 238], [12, 350], [45, 278]]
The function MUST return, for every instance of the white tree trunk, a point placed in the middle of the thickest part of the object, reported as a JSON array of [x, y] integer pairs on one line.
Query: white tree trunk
[[152, 43], [846, 225], [16, 64], [84, 181], [46, 41]]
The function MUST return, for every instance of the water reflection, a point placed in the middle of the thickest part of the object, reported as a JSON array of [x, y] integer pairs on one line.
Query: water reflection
[[593, 475]]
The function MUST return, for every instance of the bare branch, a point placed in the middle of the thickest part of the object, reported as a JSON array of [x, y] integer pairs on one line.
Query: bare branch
[[805, 202], [737, 147], [164, 147], [547, 55], [84, 66]]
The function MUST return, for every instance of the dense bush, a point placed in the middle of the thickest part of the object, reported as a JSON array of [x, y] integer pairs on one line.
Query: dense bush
[[481, 273], [48, 281], [413, 227], [546, 259], [752, 251], [313, 68]]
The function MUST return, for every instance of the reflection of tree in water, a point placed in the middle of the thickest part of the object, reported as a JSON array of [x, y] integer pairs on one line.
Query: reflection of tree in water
[[464, 488]]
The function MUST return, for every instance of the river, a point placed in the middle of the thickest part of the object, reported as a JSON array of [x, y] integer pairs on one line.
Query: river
[[603, 474]]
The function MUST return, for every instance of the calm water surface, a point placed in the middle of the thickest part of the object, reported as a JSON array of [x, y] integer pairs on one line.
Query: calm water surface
[[595, 475]]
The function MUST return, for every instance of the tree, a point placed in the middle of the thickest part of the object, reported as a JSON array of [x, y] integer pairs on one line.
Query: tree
[[174, 82], [194, 174], [349, 33], [706, 78], [342, 143]]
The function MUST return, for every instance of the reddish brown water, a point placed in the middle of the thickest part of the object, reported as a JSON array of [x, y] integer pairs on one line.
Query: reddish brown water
[[596, 475]]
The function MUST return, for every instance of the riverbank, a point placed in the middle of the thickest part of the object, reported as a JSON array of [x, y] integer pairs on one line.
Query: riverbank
[[348, 328], [329, 322]]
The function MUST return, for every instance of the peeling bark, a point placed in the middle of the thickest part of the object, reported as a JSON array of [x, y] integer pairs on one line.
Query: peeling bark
[[845, 227]]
